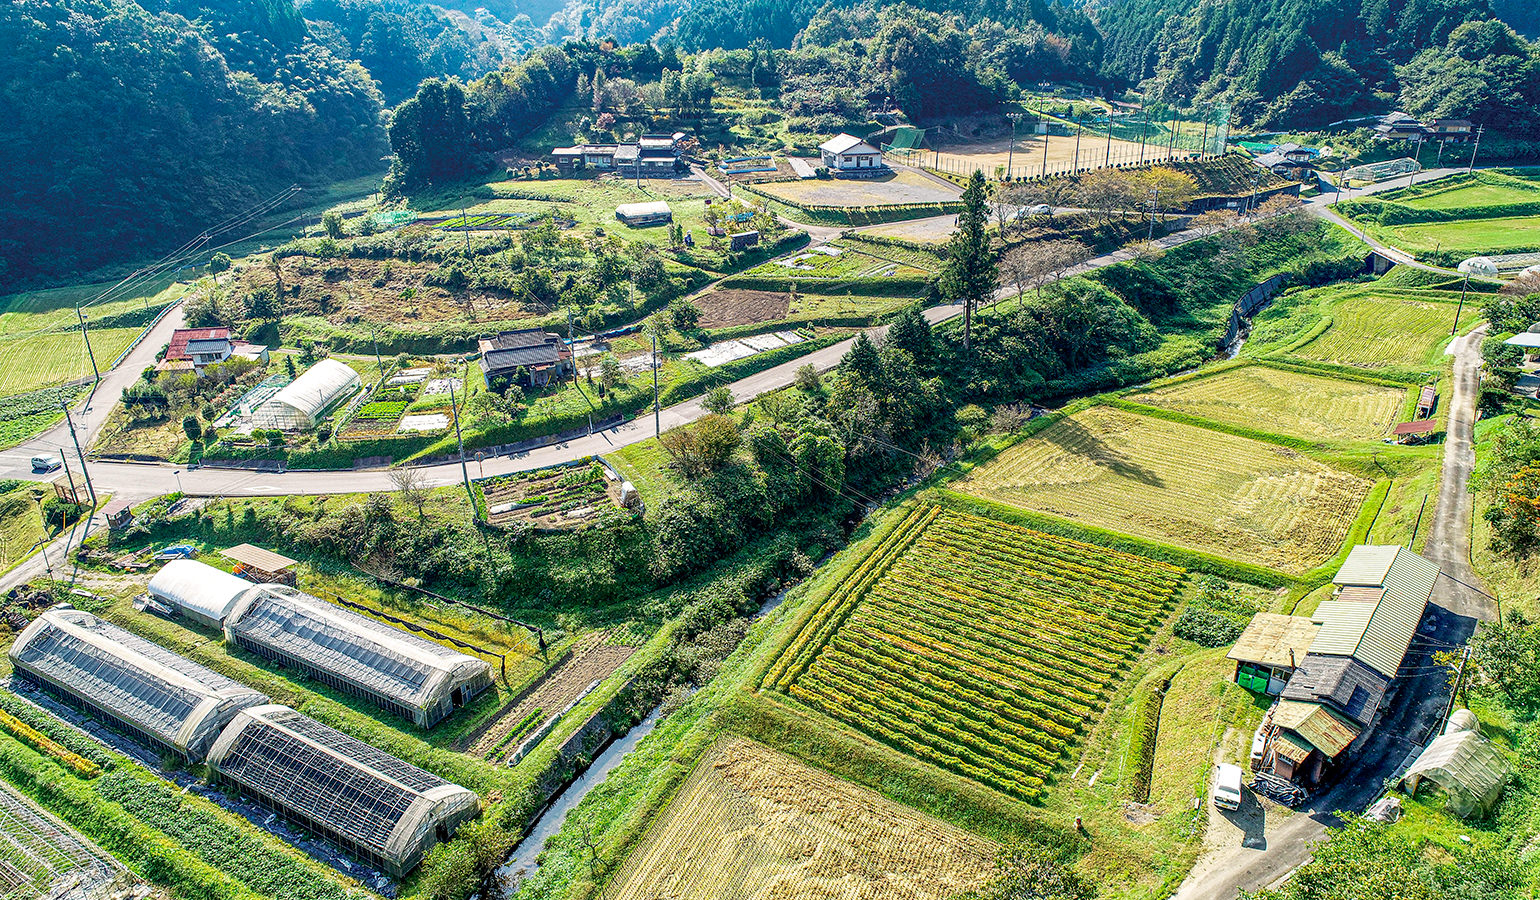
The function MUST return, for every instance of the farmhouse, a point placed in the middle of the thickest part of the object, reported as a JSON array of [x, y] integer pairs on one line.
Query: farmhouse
[[1289, 161], [397, 671], [846, 153], [1335, 694], [650, 156], [1456, 130], [532, 357], [1398, 126], [370, 803], [641, 214], [199, 347], [305, 400], [143, 689]]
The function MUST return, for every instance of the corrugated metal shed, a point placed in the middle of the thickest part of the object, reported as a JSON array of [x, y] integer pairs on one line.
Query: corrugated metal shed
[[1376, 634], [1292, 747], [258, 558], [1349, 686], [1274, 639], [1316, 724], [1367, 565]]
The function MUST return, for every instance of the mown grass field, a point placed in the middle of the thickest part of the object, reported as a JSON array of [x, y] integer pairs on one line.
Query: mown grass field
[[1278, 400], [1378, 326], [979, 647], [29, 363], [1474, 236], [1180, 484], [1486, 188], [753, 824]]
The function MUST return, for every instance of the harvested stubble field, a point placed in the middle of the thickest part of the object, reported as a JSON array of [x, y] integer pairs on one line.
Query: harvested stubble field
[[1091, 151], [1293, 403], [1379, 330], [752, 824], [1180, 484], [41, 360], [980, 647]]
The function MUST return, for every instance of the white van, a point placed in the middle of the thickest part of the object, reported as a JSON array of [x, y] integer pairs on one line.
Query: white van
[[1227, 786], [46, 462]]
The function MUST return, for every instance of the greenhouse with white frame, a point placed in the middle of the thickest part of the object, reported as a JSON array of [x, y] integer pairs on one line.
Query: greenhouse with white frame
[[305, 400], [137, 686], [373, 805]]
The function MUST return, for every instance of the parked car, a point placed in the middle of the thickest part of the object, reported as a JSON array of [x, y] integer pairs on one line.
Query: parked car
[[46, 462], [1028, 212], [1227, 786]]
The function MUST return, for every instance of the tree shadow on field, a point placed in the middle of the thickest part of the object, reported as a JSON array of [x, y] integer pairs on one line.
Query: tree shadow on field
[[1074, 438]]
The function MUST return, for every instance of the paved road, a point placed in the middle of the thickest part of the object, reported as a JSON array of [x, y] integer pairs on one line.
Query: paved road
[[1415, 710]]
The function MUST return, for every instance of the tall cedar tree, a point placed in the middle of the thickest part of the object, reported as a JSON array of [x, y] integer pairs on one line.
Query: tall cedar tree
[[971, 270]]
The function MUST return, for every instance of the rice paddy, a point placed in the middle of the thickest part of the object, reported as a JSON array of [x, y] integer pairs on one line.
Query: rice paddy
[[1285, 402]]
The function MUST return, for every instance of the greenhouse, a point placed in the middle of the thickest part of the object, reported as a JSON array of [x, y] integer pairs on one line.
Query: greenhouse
[[1470, 770], [198, 591], [304, 401], [405, 674], [140, 687], [368, 802]]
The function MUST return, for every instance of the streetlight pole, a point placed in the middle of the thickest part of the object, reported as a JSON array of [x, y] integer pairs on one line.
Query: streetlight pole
[[657, 420], [1476, 265], [178, 474], [37, 497]]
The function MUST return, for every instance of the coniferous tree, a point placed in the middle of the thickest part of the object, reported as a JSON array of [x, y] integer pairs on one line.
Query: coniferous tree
[[970, 271]]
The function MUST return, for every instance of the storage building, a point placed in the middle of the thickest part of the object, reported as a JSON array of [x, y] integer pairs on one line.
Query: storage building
[[306, 399], [140, 687], [405, 674], [198, 591], [370, 803], [641, 214], [846, 153]]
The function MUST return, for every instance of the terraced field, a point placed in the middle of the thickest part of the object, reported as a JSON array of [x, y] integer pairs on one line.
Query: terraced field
[[1375, 330], [1277, 400], [1179, 484], [751, 824], [977, 646], [27, 364]]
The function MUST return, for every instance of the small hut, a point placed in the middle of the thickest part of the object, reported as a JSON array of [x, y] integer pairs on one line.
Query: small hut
[[263, 566]]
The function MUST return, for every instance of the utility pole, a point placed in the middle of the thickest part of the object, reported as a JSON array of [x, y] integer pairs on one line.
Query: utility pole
[[1010, 155], [1078, 129], [657, 420], [1154, 202], [87, 336], [1472, 164], [1043, 120], [68, 474], [37, 497], [465, 226], [1144, 133], [374, 335], [1416, 163], [465, 472], [76, 438], [1203, 148], [1108, 160]]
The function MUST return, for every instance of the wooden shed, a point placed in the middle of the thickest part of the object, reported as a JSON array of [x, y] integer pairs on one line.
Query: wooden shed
[[256, 564], [1415, 432], [1270, 649]]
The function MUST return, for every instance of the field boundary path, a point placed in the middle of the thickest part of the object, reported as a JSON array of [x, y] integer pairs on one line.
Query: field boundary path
[[1417, 706]]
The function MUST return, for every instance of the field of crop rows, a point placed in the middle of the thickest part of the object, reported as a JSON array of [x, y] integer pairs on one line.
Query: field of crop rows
[[1179, 484], [1378, 330], [752, 824], [1311, 406], [977, 646]]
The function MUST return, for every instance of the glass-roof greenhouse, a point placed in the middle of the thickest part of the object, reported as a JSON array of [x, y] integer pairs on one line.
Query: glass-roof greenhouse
[[369, 802], [144, 688], [408, 675]]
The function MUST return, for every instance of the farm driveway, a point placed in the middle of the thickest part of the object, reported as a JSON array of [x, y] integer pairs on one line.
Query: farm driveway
[[1416, 709]]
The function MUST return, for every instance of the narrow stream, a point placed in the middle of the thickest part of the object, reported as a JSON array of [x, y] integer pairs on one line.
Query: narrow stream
[[521, 863]]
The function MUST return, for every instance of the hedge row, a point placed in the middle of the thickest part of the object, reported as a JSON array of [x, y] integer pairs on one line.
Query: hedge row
[[1385, 212], [893, 286], [862, 215]]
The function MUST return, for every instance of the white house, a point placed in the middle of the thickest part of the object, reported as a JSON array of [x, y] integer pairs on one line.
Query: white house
[[846, 152]]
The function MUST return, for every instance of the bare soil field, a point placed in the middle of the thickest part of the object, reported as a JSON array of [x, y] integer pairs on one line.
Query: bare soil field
[[752, 824], [590, 660], [726, 308], [935, 230], [1094, 152], [902, 186]]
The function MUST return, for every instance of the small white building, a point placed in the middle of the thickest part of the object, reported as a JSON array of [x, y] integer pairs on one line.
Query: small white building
[[846, 152], [198, 591], [307, 398]]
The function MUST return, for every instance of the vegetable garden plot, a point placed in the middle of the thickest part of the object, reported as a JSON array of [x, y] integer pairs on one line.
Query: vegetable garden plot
[[1180, 484], [1285, 402], [752, 824], [561, 497], [977, 646]]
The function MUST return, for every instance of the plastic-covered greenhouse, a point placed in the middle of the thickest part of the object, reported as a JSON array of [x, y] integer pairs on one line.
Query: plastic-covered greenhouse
[[408, 675], [1471, 771], [370, 803], [304, 400], [139, 686], [198, 590]]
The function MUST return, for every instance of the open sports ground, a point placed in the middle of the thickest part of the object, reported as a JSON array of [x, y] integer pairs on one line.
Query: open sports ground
[[1064, 154], [1179, 484], [1283, 401]]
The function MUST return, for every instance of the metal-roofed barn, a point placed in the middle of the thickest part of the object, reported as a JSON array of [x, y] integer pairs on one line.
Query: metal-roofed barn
[[198, 591], [139, 686], [401, 672], [372, 804]]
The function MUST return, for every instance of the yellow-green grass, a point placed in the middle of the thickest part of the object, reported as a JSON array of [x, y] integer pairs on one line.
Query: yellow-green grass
[[21, 527], [592, 202], [1375, 330], [977, 646], [1487, 189], [1474, 236], [1179, 484], [29, 363], [54, 308], [754, 824], [1284, 402]]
